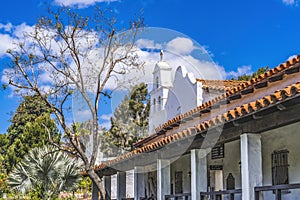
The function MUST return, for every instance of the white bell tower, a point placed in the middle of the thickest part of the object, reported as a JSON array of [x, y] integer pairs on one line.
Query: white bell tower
[[162, 82]]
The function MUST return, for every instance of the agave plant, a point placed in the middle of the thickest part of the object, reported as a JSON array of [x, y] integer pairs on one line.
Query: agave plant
[[46, 172]]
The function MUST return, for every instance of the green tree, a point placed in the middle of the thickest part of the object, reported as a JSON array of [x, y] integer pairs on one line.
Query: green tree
[[3, 173], [129, 122], [45, 172], [246, 77], [31, 127], [85, 185], [78, 53]]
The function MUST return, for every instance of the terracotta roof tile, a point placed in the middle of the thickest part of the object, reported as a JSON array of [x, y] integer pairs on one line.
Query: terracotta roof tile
[[221, 85], [239, 86], [230, 115]]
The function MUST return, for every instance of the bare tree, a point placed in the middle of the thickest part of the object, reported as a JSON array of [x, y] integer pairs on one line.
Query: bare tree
[[74, 53]]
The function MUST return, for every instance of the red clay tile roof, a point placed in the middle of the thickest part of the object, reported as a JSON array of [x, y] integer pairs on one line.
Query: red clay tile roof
[[230, 115], [239, 88], [232, 91], [220, 85]]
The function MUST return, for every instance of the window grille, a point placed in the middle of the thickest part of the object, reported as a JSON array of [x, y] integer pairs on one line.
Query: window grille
[[280, 166]]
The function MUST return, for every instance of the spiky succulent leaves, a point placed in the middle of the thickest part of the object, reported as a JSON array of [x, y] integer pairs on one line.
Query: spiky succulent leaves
[[47, 172]]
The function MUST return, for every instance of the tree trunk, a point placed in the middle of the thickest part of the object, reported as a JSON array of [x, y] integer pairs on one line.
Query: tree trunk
[[97, 180]]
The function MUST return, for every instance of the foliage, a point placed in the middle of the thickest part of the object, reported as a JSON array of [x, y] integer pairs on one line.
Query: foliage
[[255, 74], [85, 185], [77, 53], [3, 174], [3, 177], [45, 172], [28, 130], [129, 122]]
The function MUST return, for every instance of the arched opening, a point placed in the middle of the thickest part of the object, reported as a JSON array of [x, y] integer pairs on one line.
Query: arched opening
[[159, 102]]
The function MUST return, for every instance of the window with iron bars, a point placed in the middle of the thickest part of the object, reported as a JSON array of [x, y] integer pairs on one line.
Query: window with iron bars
[[280, 167]]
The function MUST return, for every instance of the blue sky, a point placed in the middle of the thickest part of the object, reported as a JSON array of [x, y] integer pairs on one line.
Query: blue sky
[[240, 35]]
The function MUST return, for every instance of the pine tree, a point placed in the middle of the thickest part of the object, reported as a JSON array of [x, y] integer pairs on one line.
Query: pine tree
[[28, 130], [129, 122], [3, 175]]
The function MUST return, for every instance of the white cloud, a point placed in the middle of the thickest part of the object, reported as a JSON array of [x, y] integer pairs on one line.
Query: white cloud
[[178, 52], [105, 120], [6, 43], [7, 27], [14, 33], [180, 45], [200, 68], [243, 70], [17, 33], [106, 125], [289, 2], [106, 117], [22, 29], [292, 57], [46, 77], [80, 3], [4, 78], [81, 115], [45, 89], [146, 43]]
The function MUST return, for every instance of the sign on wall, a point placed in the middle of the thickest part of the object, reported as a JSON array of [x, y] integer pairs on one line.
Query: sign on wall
[[216, 167], [217, 151]]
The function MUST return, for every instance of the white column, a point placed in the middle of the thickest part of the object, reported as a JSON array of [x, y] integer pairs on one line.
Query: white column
[[121, 185], [251, 164], [107, 186], [95, 192], [163, 178], [139, 183], [198, 173]]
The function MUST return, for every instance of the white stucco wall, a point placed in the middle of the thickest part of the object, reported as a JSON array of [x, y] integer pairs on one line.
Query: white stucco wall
[[182, 164], [230, 164], [162, 74], [187, 94], [184, 95], [185, 90], [162, 80], [173, 107], [286, 137], [207, 96], [156, 119]]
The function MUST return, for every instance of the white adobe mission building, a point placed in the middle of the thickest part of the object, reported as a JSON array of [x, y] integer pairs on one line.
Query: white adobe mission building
[[216, 139]]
